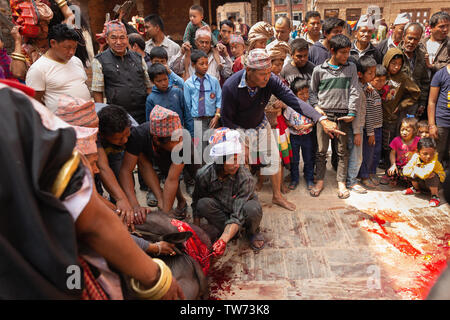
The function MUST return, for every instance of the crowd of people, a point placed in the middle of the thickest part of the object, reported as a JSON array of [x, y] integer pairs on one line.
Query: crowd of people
[[220, 113]]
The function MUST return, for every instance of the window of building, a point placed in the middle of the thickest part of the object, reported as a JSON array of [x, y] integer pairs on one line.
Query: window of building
[[353, 14], [278, 2], [328, 13], [418, 15], [297, 16]]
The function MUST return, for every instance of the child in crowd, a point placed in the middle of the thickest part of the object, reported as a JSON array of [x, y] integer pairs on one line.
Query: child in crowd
[[372, 138], [299, 67], [203, 97], [365, 67], [400, 93], [402, 149], [300, 128], [334, 91], [425, 171], [168, 96], [159, 55], [423, 130], [237, 45], [196, 15]]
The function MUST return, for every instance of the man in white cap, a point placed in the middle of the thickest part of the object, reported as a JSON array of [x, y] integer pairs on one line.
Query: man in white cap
[[225, 193], [394, 40], [244, 98], [362, 45]]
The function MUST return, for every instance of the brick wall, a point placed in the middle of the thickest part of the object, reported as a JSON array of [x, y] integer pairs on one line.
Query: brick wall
[[9, 42]]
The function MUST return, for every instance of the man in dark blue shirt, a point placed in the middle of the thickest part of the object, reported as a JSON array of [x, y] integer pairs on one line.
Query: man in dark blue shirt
[[244, 98]]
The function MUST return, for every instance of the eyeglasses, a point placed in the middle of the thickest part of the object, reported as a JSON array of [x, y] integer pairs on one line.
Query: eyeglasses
[[204, 43]]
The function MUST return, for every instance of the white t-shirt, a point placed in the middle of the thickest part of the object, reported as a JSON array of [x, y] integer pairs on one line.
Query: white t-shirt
[[57, 78], [432, 49]]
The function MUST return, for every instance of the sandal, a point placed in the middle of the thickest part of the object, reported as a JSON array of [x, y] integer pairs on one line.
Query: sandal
[[257, 237], [180, 214], [343, 195], [410, 191], [151, 199], [435, 201], [368, 183], [358, 189], [315, 192], [293, 185]]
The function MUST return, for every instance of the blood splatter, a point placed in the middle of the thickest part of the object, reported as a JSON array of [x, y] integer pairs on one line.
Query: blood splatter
[[220, 281], [433, 264]]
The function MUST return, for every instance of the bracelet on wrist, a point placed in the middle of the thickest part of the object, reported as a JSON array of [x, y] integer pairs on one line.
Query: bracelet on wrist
[[159, 248], [160, 288]]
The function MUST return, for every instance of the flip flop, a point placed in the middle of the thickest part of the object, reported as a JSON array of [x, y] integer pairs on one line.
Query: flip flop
[[257, 237], [315, 192], [180, 214], [151, 199], [343, 195]]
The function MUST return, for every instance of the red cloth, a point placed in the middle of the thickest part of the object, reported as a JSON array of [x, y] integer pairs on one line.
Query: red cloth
[[17, 85], [194, 246], [92, 290]]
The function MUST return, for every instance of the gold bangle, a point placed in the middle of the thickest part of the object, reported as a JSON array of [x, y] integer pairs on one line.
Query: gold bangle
[[61, 3], [20, 55], [19, 59], [161, 287]]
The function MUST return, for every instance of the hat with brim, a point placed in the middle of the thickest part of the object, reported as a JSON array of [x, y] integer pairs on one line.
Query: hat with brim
[[402, 18]]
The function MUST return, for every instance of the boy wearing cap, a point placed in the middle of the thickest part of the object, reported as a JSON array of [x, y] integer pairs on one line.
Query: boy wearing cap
[[153, 142], [225, 193]]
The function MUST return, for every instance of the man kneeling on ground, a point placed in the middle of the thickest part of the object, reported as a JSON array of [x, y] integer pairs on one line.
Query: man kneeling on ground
[[225, 194], [151, 144]]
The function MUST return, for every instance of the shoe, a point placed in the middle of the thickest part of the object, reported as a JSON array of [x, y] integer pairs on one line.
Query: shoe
[[435, 201], [358, 189], [410, 191], [151, 199], [385, 180], [375, 180]]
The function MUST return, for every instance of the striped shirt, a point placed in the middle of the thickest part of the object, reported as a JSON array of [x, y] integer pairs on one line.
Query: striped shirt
[[374, 111]]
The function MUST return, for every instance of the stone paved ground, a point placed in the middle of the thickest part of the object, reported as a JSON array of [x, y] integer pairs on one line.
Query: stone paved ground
[[381, 245]]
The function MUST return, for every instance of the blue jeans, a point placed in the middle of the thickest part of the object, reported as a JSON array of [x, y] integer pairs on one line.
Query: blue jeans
[[371, 154], [305, 142], [354, 161]]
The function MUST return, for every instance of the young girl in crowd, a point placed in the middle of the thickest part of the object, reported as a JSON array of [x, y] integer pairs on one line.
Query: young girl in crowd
[[424, 171], [402, 149], [423, 130]]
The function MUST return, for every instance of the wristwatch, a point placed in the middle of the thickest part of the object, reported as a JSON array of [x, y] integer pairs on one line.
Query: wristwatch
[[322, 118]]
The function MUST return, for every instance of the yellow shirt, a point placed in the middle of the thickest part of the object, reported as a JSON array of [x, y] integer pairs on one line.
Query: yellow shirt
[[417, 168]]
